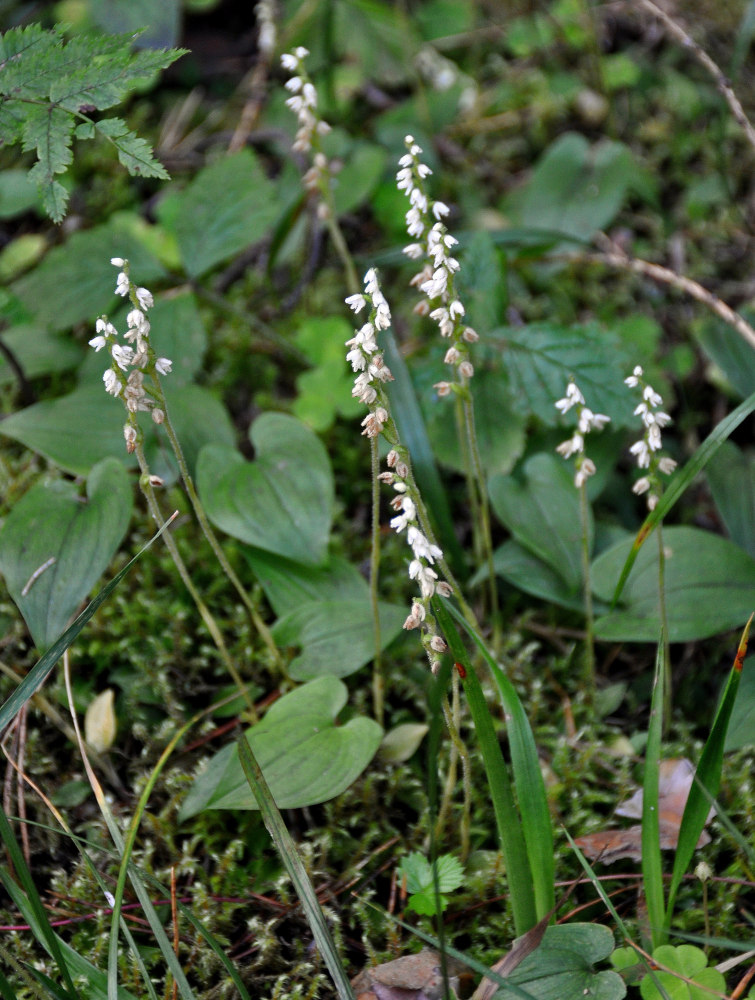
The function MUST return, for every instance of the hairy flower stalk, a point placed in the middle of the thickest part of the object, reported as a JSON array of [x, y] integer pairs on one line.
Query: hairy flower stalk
[[646, 452], [584, 467], [134, 376], [433, 245]]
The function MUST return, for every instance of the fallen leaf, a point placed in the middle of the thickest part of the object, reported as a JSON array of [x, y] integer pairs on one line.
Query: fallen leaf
[[674, 782], [411, 977]]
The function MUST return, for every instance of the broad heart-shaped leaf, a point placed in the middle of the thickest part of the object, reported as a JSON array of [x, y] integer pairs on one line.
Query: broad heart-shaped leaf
[[76, 281], [575, 188], [540, 358], [731, 477], [51, 521], [336, 636], [561, 967], [541, 510], [288, 584], [305, 757], [710, 588], [741, 731], [283, 501], [79, 430], [227, 207]]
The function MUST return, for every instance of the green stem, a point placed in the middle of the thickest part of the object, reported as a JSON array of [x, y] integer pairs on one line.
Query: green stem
[[204, 611], [201, 515], [378, 684], [664, 630], [589, 613]]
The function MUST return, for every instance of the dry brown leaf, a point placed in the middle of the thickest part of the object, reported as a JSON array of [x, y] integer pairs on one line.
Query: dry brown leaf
[[674, 783], [411, 977]]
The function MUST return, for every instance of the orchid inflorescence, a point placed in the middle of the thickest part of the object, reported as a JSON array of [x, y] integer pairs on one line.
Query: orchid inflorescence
[[131, 361], [433, 242], [586, 421], [649, 445], [372, 373], [303, 102]]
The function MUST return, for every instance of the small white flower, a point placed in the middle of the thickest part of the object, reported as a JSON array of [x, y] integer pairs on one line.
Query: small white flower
[[144, 298], [117, 261], [123, 356], [112, 383], [667, 465], [122, 284], [97, 343], [356, 302], [163, 365]]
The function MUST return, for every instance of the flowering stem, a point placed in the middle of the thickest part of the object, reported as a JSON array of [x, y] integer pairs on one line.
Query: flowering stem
[[378, 684], [209, 534], [207, 617], [589, 614], [664, 629]]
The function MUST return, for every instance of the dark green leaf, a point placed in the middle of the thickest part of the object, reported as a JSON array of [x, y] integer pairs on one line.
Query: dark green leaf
[[336, 637], [228, 206], [283, 501], [710, 588], [51, 522], [731, 477], [306, 758]]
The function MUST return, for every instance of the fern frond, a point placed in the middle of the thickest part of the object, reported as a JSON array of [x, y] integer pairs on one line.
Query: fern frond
[[49, 86]]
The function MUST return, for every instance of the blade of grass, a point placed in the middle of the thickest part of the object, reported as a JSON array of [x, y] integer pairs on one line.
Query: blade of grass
[[708, 774], [34, 908], [153, 919], [290, 857], [41, 670], [652, 865], [681, 480], [528, 780], [518, 873]]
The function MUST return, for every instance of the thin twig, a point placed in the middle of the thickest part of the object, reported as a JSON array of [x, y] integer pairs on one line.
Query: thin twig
[[720, 80], [617, 258]]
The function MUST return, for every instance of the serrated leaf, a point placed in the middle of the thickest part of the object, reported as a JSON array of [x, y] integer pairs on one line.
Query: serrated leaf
[[305, 757], [134, 153], [540, 358]]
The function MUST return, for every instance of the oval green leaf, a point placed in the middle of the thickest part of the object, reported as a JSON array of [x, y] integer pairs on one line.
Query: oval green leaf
[[305, 756], [283, 501], [710, 588], [53, 523]]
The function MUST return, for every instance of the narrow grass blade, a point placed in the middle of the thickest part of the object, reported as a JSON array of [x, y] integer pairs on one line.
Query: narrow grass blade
[[518, 873], [708, 775], [42, 669], [33, 903], [528, 781], [290, 856], [652, 866], [6, 990], [681, 481], [411, 427]]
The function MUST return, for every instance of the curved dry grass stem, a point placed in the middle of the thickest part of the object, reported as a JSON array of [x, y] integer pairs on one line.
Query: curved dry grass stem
[[719, 78], [614, 257]]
